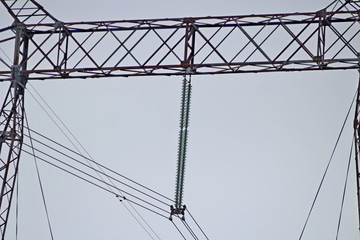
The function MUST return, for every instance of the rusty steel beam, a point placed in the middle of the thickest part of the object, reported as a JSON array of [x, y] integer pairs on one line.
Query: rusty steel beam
[[11, 128], [324, 40]]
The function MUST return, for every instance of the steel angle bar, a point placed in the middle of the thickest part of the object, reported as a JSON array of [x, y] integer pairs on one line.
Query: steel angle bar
[[122, 44], [129, 51], [207, 41], [217, 46], [71, 54], [342, 48], [252, 40], [40, 48], [92, 48], [294, 38], [249, 42], [210, 38], [338, 39], [341, 37], [164, 43], [171, 50], [80, 46]]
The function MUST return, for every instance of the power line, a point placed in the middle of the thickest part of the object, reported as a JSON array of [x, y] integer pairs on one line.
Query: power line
[[6, 57], [95, 178], [189, 229], [57, 125], [95, 170], [90, 159], [39, 179], [137, 212], [97, 185], [186, 224], [100, 165], [101, 173], [326, 169], [79, 153], [17, 207], [178, 230], [344, 191], [137, 220], [187, 210], [101, 187]]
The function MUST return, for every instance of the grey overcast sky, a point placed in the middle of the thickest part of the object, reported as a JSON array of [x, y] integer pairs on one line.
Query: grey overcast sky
[[258, 143]]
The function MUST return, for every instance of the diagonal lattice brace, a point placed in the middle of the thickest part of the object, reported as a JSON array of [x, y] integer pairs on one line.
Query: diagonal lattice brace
[[28, 12], [11, 137]]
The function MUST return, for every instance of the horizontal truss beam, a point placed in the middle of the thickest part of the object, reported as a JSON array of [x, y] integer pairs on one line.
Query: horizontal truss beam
[[219, 45]]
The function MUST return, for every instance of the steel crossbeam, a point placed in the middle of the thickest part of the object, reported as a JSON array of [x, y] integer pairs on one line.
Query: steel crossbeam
[[322, 40]]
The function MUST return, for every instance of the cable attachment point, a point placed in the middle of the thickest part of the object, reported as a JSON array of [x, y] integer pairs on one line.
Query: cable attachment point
[[177, 211], [121, 198]]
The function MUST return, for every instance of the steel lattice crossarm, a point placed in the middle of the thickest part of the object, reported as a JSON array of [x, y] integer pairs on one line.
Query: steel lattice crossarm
[[322, 40]]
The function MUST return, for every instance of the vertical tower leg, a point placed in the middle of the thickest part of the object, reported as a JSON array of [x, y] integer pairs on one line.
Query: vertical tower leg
[[11, 137], [357, 142], [11, 129]]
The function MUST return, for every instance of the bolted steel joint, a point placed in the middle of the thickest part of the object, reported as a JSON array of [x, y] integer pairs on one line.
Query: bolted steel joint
[[321, 13], [19, 80], [15, 72], [58, 25], [19, 27], [190, 70]]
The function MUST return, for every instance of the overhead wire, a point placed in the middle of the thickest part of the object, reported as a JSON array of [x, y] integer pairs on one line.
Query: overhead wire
[[100, 172], [88, 181], [100, 165], [327, 168], [17, 207], [62, 153], [90, 159], [110, 178], [192, 233], [5, 63], [92, 177], [137, 220], [96, 170], [187, 210], [142, 205], [156, 234], [39, 180], [356, 137], [100, 180], [188, 227], [48, 114], [178, 230], [344, 189], [7, 56]]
